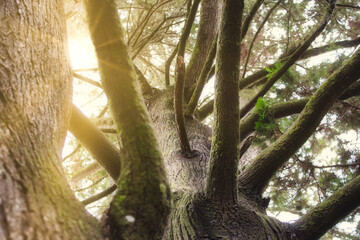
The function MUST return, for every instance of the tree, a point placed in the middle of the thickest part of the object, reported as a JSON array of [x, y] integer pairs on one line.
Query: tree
[[35, 89], [171, 169]]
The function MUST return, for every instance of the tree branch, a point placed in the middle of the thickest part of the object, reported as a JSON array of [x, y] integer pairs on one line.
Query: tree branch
[[143, 189], [257, 175], [180, 50], [100, 195], [168, 64], [208, 27], [204, 76], [187, 28], [278, 110], [289, 62], [178, 105], [85, 172], [284, 109], [205, 110], [325, 215], [96, 142], [347, 6], [307, 54], [88, 80], [330, 47], [224, 157], [249, 18], [256, 34]]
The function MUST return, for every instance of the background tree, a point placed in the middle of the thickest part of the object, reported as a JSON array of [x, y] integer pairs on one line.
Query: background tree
[[222, 180]]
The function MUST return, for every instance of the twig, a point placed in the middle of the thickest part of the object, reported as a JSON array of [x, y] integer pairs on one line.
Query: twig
[[86, 70], [88, 80], [150, 13], [73, 152], [256, 34], [92, 185], [347, 6], [349, 105], [148, 39]]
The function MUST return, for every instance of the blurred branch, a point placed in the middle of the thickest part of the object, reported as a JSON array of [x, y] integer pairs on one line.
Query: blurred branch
[[92, 185], [103, 150], [100, 195], [76, 149], [347, 6], [249, 17], [88, 80], [85, 172]]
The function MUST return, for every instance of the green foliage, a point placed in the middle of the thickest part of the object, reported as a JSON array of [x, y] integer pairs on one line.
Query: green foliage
[[273, 70], [265, 123]]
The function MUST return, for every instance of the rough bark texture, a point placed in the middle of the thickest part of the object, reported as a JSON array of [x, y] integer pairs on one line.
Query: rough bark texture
[[207, 30], [143, 194], [35, 104], [193, 215], [221, 179]]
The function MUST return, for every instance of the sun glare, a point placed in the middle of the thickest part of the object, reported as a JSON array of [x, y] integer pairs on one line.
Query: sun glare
[[82, 53]]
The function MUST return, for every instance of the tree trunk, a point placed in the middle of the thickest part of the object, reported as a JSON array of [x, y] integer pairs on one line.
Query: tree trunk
[[193, 215], [35, 104]]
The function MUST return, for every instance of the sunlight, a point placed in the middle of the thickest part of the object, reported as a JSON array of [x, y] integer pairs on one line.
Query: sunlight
[[82, 53]]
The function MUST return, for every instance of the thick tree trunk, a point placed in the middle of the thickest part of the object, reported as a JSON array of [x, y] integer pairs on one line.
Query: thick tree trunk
[[35, 104], [193, 215]]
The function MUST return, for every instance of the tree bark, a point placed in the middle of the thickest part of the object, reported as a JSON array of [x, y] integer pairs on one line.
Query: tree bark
[[193, 215], [35, 104], [143, 195], [208, 27]]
